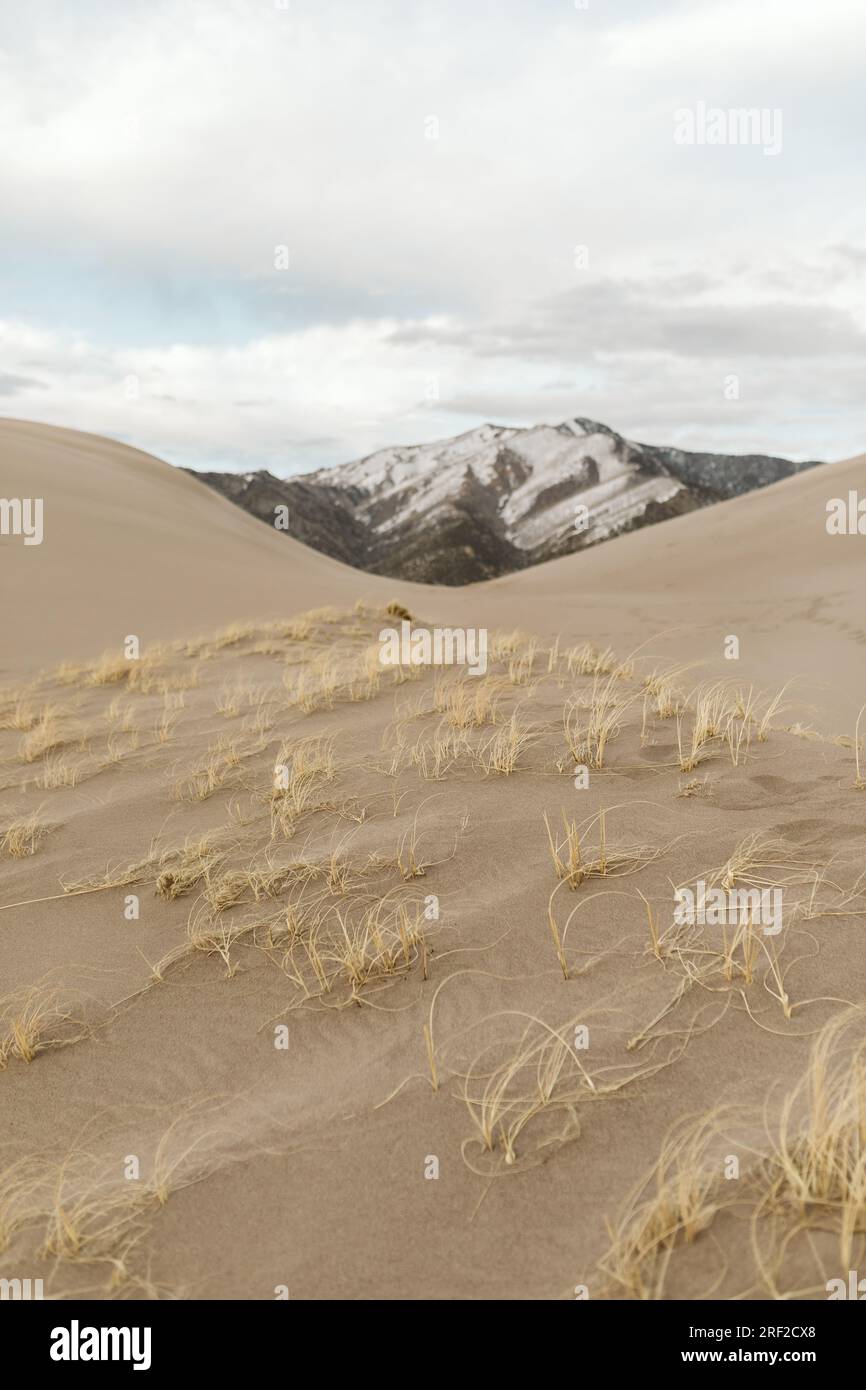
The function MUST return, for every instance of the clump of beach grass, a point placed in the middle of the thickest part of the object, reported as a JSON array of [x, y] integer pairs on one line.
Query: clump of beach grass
[[574, 861], [22, 835]]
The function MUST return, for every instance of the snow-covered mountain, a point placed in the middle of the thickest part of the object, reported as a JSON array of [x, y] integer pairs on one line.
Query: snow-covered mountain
[[495, 499]]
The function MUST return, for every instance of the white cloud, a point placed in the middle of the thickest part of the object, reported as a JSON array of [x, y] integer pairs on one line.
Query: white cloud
[[175, 145], [728, 40]]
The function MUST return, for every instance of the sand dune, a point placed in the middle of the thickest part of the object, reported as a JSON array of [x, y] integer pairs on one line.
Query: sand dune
[[134, 545], [137, 546], [761, 566], [772, 540], [343, 979]]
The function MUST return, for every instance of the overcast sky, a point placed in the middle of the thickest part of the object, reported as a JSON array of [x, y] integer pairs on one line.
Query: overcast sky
[[485, 214]]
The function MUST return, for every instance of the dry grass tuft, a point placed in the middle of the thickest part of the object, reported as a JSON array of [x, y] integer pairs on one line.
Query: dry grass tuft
[[574, 862], [539, 1085], [587, 660], [181, 870], [433, 755], [521, 666], [220, 767], [809, 1182], [17, 712], [355, 947], [22, 836], [816, 1169], [59, 770], [83, 1212], [664, 688], [303, 769], [525, 1092], [672, 1205], [468, 702], [45, 735], [501, 753], [35, 1018], [591, 724], [710, 719]]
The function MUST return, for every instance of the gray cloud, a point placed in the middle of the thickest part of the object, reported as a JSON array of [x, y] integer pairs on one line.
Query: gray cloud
[[627, 318], [10, 385]]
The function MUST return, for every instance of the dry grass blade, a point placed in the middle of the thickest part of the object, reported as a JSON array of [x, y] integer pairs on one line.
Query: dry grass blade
[[542, 1080], [574, 862]]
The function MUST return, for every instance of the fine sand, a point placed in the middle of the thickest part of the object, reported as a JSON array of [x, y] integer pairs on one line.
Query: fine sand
[[343, 980]]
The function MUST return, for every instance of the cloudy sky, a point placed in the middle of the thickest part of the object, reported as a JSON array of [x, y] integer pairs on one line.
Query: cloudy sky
[[241, 233]]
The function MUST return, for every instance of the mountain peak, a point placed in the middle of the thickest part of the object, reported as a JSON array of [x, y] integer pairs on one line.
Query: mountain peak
[[495, 498], [581, 425]]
